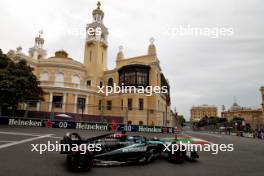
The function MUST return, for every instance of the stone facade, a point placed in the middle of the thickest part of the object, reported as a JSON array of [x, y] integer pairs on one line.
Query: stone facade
[[68, 83], [198, 112], [252, 116]]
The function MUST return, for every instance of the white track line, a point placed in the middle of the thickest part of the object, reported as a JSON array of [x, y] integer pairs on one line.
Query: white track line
[[7, 141], [20, 134], [203, 140], [208, 134], [55, 137], [23, 141], [199, 139]]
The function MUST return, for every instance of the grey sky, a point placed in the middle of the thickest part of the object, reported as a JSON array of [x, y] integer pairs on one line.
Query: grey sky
[[201, 70]]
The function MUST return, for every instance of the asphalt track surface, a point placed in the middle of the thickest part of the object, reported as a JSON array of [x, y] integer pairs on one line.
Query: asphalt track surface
[[16, 157]]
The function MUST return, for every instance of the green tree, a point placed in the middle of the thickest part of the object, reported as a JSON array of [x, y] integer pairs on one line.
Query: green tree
[[213, 120], [17, 83], [181, 120], [203, 122]]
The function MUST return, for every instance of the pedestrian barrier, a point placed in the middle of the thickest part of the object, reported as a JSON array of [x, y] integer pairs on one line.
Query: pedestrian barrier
[[247, 135]]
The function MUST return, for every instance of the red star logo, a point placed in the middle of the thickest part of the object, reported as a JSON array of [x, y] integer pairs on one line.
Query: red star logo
[[49, 123]]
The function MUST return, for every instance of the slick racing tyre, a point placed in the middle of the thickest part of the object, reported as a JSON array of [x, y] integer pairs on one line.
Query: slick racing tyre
[[150, 156], [177, 157], [146, 158], [77, 162], [192, 156], [69, 139]]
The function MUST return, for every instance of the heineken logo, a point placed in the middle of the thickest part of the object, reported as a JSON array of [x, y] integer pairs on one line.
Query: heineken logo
[[149, 129], [87, 126], [15, 122]]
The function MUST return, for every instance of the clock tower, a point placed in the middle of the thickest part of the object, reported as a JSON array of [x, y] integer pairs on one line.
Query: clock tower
[[95, 50]]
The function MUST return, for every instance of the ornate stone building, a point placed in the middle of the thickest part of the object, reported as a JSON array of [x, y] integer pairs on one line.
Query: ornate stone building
[[252, 116], [72, 87], [198, 112]]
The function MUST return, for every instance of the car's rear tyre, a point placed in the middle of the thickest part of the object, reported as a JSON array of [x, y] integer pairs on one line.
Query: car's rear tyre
[[177, 157], [77, 162]]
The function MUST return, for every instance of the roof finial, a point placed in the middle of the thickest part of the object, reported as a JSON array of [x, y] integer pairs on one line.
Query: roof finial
[[98, 5], [152, 48], [40, 33], [151, 40], [120, 48], [120, 54], [235, 99]]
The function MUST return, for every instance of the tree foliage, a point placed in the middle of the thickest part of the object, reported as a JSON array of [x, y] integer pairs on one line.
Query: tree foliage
[[17, 82], [181, 120], [211, 121]]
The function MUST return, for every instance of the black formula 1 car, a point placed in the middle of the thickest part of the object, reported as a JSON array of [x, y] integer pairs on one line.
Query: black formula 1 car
[[119, 149]]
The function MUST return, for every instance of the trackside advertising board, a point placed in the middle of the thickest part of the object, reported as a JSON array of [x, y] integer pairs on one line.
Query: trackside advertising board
[[83, 125]]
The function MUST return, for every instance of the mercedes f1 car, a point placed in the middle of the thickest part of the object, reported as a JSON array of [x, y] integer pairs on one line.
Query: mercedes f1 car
[[120, 149]]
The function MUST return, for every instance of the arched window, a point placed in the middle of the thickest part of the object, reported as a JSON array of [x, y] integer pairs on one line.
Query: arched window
[[88, 83], [59, 79], [101, 84], [110, 82], [76, 80], [44, 76]]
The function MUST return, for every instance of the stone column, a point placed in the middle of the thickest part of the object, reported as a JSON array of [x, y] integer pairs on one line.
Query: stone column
[[75, 103], [86, 104], [50, 101], [64, 102], [26, 106], [38, 105]]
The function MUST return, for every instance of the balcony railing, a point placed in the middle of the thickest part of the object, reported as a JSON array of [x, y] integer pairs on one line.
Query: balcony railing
[[66, 85]]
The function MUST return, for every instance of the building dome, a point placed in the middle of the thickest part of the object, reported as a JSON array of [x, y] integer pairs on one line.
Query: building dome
[[62, 58], [235, 107], [61, 54]]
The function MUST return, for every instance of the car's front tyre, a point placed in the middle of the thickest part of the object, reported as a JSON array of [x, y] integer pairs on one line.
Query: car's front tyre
[[150, 156], [78, 162], [177, 157]]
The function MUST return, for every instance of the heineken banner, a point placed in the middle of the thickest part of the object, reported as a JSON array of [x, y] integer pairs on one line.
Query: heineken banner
[[22, 122], [83, 125], [145, 129]]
